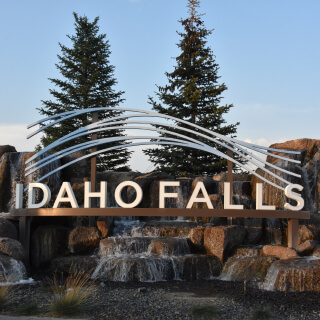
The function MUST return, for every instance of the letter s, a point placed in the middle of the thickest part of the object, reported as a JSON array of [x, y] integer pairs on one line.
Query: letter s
[[294, 196]]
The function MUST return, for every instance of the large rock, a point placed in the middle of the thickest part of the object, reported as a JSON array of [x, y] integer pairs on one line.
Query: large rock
[[105, 225], [8, 229], [280, 252], [12, 248], [72, 263], [211, 185], [170, 246], [246, 251], [6, 148], [307, 247], [254, 230], [219, 241], [246, 268], [183, 192], [308, 148], [274, 232], [83, 240], [308, 232], [48, 242], [197, 239], [12, 171], [294, 275], [145, 181], [308, 169]]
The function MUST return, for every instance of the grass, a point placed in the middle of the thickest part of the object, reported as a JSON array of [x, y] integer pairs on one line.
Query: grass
[[27, 309], [206, 311], [262, 313], [71, 294]]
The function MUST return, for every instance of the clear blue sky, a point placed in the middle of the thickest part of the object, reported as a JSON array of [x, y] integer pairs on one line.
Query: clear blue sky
[[268, 52]]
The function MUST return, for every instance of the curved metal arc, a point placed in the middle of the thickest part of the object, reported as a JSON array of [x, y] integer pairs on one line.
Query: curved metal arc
[[145, 113], [224, 138], [96, 127], [147, 143], [155, 114], [88, 145], [246, 155], [110, 128], [75, 113]]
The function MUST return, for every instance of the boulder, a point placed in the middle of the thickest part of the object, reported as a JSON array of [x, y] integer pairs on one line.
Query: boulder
[[295, 275], [280, 252], [12, 248], [48, 242], [8, 229], [309, 169], [223, 177], [196, 239], [170, 246], [309, 148], [83, 240], [197, 267], [307, 247], [219, 241], [6, 148], [145, 181], [246, 268], [308, 232], [183, 193], [211, 185], [254, 230], [72, 263], [316, 252], [105, 225], [246, 251], [274, 232]]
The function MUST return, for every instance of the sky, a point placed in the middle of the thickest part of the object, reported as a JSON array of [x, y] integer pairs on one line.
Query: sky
[[268, 53]]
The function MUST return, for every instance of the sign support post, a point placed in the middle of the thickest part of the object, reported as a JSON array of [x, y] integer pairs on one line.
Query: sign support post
[[230, 180], [92, 219]]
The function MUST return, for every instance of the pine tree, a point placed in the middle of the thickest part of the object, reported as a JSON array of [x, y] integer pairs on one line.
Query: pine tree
[[192, 94], [88, 82]]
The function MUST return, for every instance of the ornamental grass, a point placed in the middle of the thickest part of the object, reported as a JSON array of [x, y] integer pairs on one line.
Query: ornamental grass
[[71, 294]]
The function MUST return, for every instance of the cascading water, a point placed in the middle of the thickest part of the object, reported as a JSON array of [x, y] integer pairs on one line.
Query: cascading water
[[151, 258], [12, 272]]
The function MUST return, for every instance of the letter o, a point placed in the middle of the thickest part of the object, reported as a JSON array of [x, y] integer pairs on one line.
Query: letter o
[[117, 194]]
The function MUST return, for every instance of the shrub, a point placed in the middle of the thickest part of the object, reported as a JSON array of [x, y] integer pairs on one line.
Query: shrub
[[71, 294]]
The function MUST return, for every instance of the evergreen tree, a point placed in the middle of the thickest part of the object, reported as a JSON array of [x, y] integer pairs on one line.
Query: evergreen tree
[[192, 94], [88, 82]]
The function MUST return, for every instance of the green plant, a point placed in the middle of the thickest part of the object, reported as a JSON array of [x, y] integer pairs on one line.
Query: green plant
[[262, 313], [205, 311], [71, 294], [27, 309]]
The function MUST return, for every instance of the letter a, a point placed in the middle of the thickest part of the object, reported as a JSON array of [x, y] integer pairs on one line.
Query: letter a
[[194, 197], [66, 189]]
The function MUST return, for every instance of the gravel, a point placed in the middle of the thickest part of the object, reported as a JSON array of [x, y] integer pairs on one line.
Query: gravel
[[174, 300]]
